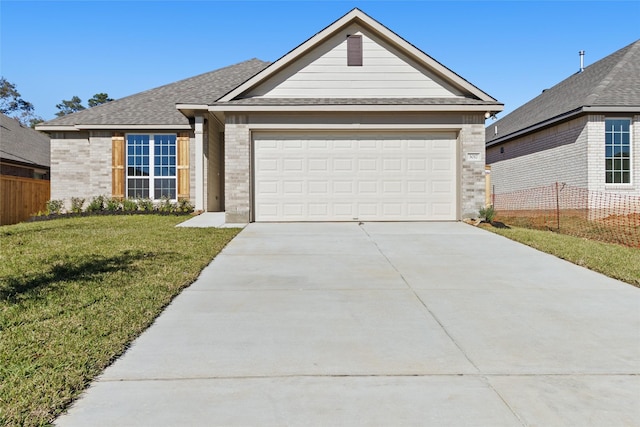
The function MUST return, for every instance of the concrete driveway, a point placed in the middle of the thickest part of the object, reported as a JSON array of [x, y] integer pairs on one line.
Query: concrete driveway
[[381, 324]]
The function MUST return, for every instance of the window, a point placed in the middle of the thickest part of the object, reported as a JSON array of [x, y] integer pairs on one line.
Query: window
[[354, 51], [618, 151], [151, 166]]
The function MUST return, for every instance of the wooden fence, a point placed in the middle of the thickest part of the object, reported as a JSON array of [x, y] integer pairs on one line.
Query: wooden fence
[[20, 198]]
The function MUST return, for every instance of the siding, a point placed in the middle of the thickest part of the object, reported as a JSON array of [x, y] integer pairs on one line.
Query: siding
[[385, 73]]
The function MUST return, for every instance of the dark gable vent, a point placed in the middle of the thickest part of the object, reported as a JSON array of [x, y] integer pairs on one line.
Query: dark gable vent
[[354, 51]]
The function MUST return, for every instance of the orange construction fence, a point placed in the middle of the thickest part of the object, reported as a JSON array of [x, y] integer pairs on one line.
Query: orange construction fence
[[608, 217]]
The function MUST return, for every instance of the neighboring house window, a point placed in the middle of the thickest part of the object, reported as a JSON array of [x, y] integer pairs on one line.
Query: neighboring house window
[[151, 166], [618, 151], [354, 51]]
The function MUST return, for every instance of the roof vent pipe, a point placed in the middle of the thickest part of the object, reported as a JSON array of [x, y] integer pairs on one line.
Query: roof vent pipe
[[581, 53]]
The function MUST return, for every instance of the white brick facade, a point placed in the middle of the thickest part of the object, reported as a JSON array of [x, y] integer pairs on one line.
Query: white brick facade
[[239, 175], [71, 167], [572, 152], [81, 164], [237, 181]]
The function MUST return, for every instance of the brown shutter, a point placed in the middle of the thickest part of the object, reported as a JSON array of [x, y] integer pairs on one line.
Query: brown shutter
[[354, 51], [117, 166], [184, 181]]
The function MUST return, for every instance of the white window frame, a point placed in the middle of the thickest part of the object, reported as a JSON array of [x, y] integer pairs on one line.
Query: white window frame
[[151, 177], [631, 153]]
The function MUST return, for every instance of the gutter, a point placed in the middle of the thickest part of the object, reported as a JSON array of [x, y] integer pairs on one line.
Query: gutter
[[78, 128]]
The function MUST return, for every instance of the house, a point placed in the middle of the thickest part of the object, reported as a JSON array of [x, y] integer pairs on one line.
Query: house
[[354, 124], [584, 132], [24, 152], [24, 171]]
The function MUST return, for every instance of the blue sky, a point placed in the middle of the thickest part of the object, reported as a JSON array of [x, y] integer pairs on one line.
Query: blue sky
[[53, 50]]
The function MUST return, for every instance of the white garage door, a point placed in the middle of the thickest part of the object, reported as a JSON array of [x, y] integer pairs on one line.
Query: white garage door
[[355, 176]]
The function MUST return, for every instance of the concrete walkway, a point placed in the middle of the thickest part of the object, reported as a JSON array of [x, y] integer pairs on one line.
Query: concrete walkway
[[437, 324]]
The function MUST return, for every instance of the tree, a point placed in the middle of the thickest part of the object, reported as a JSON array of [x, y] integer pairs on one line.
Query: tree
[[99, 99], [12, 104], [69, 106]]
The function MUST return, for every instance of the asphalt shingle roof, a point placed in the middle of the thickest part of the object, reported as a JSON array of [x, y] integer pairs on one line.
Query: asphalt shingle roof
[[614, 81], [158, 106], [22, 144]]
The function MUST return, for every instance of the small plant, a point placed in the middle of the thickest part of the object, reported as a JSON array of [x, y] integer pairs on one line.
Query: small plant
[[54, 207], [96, 204], [488, 213], [77, 204], [165, 205], [145, 205], [112, 205], [129, 205], [184, 206]]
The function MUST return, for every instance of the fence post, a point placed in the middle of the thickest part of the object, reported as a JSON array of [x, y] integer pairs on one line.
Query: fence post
[[557, 206]]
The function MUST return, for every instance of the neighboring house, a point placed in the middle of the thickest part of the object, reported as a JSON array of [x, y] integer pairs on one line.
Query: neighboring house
[[24, 171], [354, 124], [585, 132], [24, 152]]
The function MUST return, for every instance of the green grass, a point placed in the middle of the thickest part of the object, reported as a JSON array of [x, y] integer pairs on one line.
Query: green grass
[[617, 261], [75, 292]]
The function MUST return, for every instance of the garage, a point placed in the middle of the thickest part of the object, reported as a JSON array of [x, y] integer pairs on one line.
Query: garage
[[355, 176]]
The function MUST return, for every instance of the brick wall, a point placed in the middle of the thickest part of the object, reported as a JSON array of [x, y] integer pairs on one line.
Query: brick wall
[[472, 178], [471, 182], [215, 170], [100, 160], [70, 166], [597, 157], [237, 169], [555, 154]]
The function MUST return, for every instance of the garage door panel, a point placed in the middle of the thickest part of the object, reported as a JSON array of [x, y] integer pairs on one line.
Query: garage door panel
[[346, 177]]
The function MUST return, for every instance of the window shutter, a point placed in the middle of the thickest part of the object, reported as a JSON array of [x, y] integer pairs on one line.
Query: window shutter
[[354, 51], [184, 181], [117, 166]]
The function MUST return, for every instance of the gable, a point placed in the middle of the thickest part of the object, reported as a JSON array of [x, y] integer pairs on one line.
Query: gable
[[392, 68], [323, 72]]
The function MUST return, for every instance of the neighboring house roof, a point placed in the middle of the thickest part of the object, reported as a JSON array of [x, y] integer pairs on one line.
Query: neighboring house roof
[[158, 106], [609, 85], [23, 145], [359, 17]]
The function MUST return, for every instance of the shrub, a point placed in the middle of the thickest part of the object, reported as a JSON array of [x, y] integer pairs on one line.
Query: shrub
[[145, 205], [96, 204], [54, 207], [184, 206], [488, 213], [112, 205], [129, 205], [165, 205], [76, 204]]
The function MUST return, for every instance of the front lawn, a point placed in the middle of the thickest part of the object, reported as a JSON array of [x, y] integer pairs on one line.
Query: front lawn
[[617, 261], [75, 292]]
